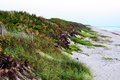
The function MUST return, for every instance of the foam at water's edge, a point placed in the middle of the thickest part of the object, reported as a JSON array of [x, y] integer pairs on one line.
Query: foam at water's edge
[[110, 28], [114, 31]]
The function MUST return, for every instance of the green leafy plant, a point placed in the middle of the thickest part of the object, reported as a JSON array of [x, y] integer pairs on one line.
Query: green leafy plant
[[107, 58], [80, 41], [98, 45], [85, 34], [74, 47]]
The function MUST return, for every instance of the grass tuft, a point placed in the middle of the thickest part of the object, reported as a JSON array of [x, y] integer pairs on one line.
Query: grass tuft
[[107, 58], [85, 34], [98, 45], [72, 48], [80, 41]]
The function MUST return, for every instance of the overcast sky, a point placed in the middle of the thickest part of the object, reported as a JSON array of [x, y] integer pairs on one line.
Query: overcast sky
[[93, 12]]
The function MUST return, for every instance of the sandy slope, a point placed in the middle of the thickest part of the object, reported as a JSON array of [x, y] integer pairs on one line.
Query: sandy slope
[[104, 63]]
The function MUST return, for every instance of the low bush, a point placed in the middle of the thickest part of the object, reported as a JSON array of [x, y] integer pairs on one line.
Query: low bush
[[80, 41], [98, 45], [72, 48], [85, 34]]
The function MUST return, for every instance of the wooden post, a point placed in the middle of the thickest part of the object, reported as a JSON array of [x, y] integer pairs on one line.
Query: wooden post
[[2, 31], [1, 37]]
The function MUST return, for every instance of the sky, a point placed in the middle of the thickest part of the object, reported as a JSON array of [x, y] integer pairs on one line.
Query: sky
[[92, 12]]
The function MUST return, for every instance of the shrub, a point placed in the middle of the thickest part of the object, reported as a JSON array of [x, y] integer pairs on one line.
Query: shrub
[[74, 47], [95, 38], [98, 45], [85, 34], [80, 41]]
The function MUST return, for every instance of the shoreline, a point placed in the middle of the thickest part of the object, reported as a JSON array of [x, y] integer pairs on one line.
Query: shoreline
[[112, 31]]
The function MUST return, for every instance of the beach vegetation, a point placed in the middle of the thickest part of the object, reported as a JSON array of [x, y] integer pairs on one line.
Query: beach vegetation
[[99, 45], [26, 34], [117, 44], [80, 41], [95, 38], [107, 58], [85, 34], [72, 48]]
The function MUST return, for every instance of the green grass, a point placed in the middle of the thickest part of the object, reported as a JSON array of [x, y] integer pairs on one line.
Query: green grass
[[117, 44], [61, 68], [69, 51], [71, 67], [85, 34], [26, 34], [98, 45], [107, 58], [72, 48], [80, 41], [95, 38], [91, 34], [103, 36]]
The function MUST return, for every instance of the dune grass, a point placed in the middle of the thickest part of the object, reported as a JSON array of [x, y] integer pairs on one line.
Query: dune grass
[[117, 44], [80, 41], [72, 48], [62, 67], [90, 34], [26, 34], [98, 45], [86, 43], [85, 34], [107, 58], [73, 71]]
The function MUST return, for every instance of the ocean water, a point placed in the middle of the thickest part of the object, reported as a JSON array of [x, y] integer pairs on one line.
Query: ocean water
[[110, 28]]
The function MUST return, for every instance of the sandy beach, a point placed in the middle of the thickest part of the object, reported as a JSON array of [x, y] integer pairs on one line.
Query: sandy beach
[[104, 63]]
